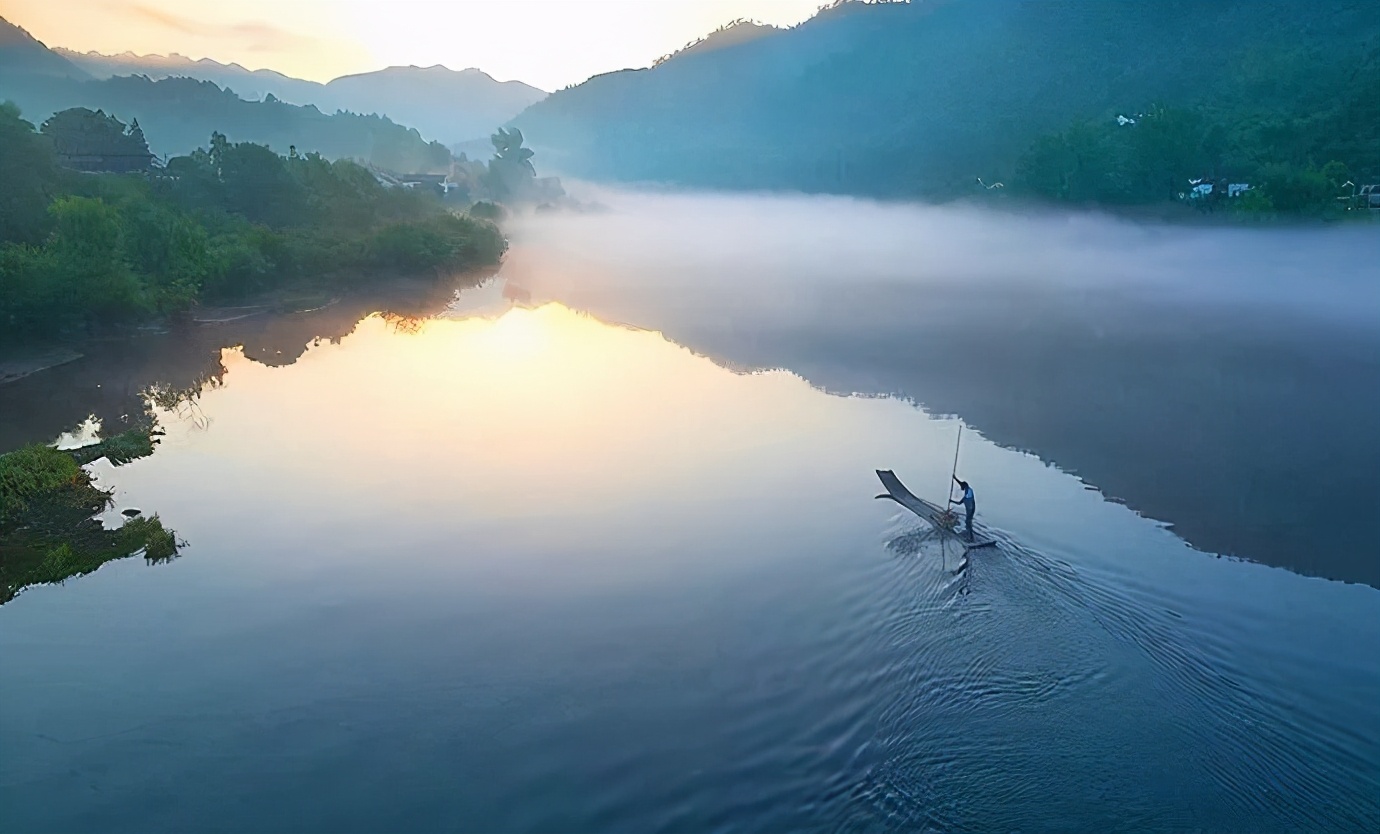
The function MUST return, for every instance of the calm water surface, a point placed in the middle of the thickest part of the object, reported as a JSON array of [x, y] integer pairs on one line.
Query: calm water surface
[[533, 571]]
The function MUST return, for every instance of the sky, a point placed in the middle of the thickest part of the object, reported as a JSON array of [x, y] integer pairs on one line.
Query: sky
[[546, 43]]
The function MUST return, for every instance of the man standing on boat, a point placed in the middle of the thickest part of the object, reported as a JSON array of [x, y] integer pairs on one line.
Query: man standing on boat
[[969, 504]]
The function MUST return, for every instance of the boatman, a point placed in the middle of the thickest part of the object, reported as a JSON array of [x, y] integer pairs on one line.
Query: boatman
[[969, 504]]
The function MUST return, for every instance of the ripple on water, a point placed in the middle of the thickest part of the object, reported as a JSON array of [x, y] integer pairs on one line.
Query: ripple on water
[[1017, 692]]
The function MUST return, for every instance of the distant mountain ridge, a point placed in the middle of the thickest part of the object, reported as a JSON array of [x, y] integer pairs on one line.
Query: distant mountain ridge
[[247, 83], [450, 106], [445, 104], [22, 52], [179, 114], [730, 34]]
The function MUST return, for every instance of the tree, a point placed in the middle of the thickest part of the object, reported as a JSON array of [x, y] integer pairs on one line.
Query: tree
[[171, 250], [508, 150], [510, 172], [93, 140], [1300, 190], [257, 184], [136, 137], [29, 176], [88, 251], [1082, 164], [195, 182], [1169, 151], [219, 145]]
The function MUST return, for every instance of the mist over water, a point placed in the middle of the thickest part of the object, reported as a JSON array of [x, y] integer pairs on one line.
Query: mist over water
[[1223, 379], [821, 241]]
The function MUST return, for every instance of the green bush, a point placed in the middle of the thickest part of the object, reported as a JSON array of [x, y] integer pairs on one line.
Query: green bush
[[31, 472], [1300, 190], [149, 535], [486, 210], [93, 270], [118, 449], [447, 241], [29, 288], [28, 176], [1255, 204]]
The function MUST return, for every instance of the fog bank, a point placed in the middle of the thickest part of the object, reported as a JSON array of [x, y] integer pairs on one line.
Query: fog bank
[[754, 242]]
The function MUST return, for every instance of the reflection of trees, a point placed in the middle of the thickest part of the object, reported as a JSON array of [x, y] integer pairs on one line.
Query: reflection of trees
[[49, 530], [1223, 411], [115, 382], [400, 323], [182, 402], [54, 533]]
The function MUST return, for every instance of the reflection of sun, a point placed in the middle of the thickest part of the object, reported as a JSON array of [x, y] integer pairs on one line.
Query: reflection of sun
[[537, 413], [518, 332]]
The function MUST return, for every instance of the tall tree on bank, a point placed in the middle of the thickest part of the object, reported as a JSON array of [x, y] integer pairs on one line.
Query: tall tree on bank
[[92, 140], [29, 176], [511, 171]]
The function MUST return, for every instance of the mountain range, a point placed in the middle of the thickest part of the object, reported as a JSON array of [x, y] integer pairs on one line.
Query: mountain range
[[246, 83], [1073, 100], [450, 106], [447, 105], [178, 115], [922, 99]]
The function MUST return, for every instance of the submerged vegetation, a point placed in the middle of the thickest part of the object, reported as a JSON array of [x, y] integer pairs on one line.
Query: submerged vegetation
[[225, 222], [49, 530]]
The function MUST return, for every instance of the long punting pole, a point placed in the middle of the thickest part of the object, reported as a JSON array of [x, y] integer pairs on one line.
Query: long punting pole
[[954, 474]]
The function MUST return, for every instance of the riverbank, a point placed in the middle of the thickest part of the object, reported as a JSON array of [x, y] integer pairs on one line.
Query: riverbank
[[53, 297], [91, 254], [1176, 214]]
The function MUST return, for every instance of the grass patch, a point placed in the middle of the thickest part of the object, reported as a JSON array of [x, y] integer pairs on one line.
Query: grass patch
[[120, 449], [29, 473]]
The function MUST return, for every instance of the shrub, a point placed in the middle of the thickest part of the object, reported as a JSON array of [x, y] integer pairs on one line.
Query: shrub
[[31, 472]]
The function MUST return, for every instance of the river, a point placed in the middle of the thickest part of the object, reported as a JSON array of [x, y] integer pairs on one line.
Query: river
[[609, 559]]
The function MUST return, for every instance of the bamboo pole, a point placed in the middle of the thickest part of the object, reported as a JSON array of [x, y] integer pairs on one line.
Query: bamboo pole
[[954, 473]]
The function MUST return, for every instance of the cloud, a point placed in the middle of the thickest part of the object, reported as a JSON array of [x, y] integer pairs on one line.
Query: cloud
[[255, 36]]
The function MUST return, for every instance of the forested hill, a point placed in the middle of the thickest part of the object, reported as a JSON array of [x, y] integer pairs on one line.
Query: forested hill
[[180, 114], [921, 99], [23, 54], [445, 105]]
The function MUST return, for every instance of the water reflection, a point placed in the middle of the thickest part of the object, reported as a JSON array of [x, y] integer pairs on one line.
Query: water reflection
[[114, 390], [531, 571], [50, 525], [1223, 381], [113, 379]]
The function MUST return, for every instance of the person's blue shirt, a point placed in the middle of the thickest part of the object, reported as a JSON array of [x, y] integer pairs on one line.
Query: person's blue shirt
[[968, 502]]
